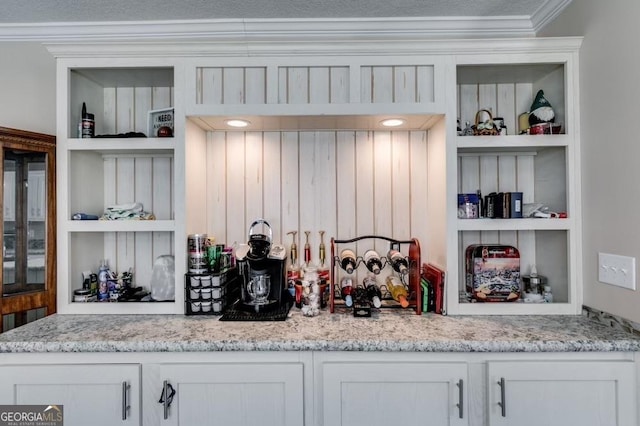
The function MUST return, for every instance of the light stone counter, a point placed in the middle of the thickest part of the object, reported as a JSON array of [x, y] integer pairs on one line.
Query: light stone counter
[[389, 330]]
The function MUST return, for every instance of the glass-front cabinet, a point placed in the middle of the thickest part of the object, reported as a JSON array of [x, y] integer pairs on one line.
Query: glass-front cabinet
[[28, 226]]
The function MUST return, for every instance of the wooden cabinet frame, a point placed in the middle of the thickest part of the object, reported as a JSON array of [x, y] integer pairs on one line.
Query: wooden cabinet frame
[[27, 300]]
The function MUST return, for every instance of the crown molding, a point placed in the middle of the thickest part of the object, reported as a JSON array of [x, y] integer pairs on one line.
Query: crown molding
[[307, 48], [547, 12], [255, 29]]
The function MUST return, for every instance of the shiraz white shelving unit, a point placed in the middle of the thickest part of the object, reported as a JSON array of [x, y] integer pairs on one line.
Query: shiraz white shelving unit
[[116, 170], [546, 168], [315, 124]]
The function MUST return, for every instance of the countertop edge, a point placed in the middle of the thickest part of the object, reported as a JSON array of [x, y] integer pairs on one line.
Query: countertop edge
[[332, 346]]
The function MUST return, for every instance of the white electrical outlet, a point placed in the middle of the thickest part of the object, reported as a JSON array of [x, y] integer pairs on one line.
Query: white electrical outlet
[[617, 270]]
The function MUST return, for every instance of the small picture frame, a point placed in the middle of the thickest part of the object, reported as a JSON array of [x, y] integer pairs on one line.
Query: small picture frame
[[160, 120]]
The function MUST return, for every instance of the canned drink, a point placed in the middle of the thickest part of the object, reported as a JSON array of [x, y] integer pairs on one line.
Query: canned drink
[[213, 257]]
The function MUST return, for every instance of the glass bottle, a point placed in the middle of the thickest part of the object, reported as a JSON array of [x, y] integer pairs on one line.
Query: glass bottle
[[373, 291], [548, 296], [398, 261], [346, 290], [348, 260], [397, 291], [372, 261]]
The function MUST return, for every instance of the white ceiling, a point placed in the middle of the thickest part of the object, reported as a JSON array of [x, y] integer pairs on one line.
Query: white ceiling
[[45, 11], [29, 19]]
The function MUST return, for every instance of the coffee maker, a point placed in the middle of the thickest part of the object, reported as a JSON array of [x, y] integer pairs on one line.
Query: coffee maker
[[262, 270]]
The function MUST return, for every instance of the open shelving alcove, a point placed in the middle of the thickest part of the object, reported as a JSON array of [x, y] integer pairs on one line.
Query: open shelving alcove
[[545, 168], [314, 157], [117, 167]]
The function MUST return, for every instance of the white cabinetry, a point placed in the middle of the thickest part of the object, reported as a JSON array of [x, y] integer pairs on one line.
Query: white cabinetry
[[384, 389], [562, 393], [232, 393], [545, 168], [99, 172], [96, 394], [328, 388]]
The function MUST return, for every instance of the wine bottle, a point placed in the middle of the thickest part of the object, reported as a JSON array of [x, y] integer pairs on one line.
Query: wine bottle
[[348, 260], [398, 261], [373, 291], [346, 290], [397, 290], [372, 261]]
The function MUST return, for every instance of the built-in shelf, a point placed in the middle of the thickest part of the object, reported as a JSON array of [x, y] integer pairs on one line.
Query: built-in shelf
[[120, 225], [512, 142], [514, 224]]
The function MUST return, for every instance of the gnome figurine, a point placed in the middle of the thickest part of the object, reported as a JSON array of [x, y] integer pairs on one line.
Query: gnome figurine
[[541, 111]]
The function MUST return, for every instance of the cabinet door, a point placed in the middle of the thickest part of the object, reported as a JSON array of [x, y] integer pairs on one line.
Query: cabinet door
[[562, 393], [402, 393], [231, 394], [90, 394]]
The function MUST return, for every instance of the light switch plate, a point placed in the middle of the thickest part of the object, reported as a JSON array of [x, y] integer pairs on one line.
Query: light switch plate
[[617, 270]]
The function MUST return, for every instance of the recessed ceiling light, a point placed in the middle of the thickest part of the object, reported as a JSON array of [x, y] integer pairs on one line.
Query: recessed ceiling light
[[392, 122], [237, 123]]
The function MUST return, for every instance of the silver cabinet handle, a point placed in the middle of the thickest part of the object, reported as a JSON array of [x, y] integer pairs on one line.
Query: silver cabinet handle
[[166, 398], [460, 404], [125, 400], [165, 403], [503, 402]]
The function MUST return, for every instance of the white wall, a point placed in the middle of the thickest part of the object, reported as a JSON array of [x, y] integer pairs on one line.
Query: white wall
[[27, 87], [610, 113]]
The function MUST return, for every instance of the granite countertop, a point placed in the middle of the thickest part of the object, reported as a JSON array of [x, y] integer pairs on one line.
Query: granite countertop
[[388, 330]]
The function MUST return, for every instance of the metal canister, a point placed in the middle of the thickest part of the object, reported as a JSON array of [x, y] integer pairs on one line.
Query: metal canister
[[534, 283], [196, 245]]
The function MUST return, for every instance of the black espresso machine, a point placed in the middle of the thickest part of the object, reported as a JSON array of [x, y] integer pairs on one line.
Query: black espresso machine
[[262, 270]]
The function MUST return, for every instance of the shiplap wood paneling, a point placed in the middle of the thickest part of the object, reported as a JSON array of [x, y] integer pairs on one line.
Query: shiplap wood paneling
[[126, 109], [231, 85], [502, 100], [396, 84], [148, 180], [315, 84], [345, 183]]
